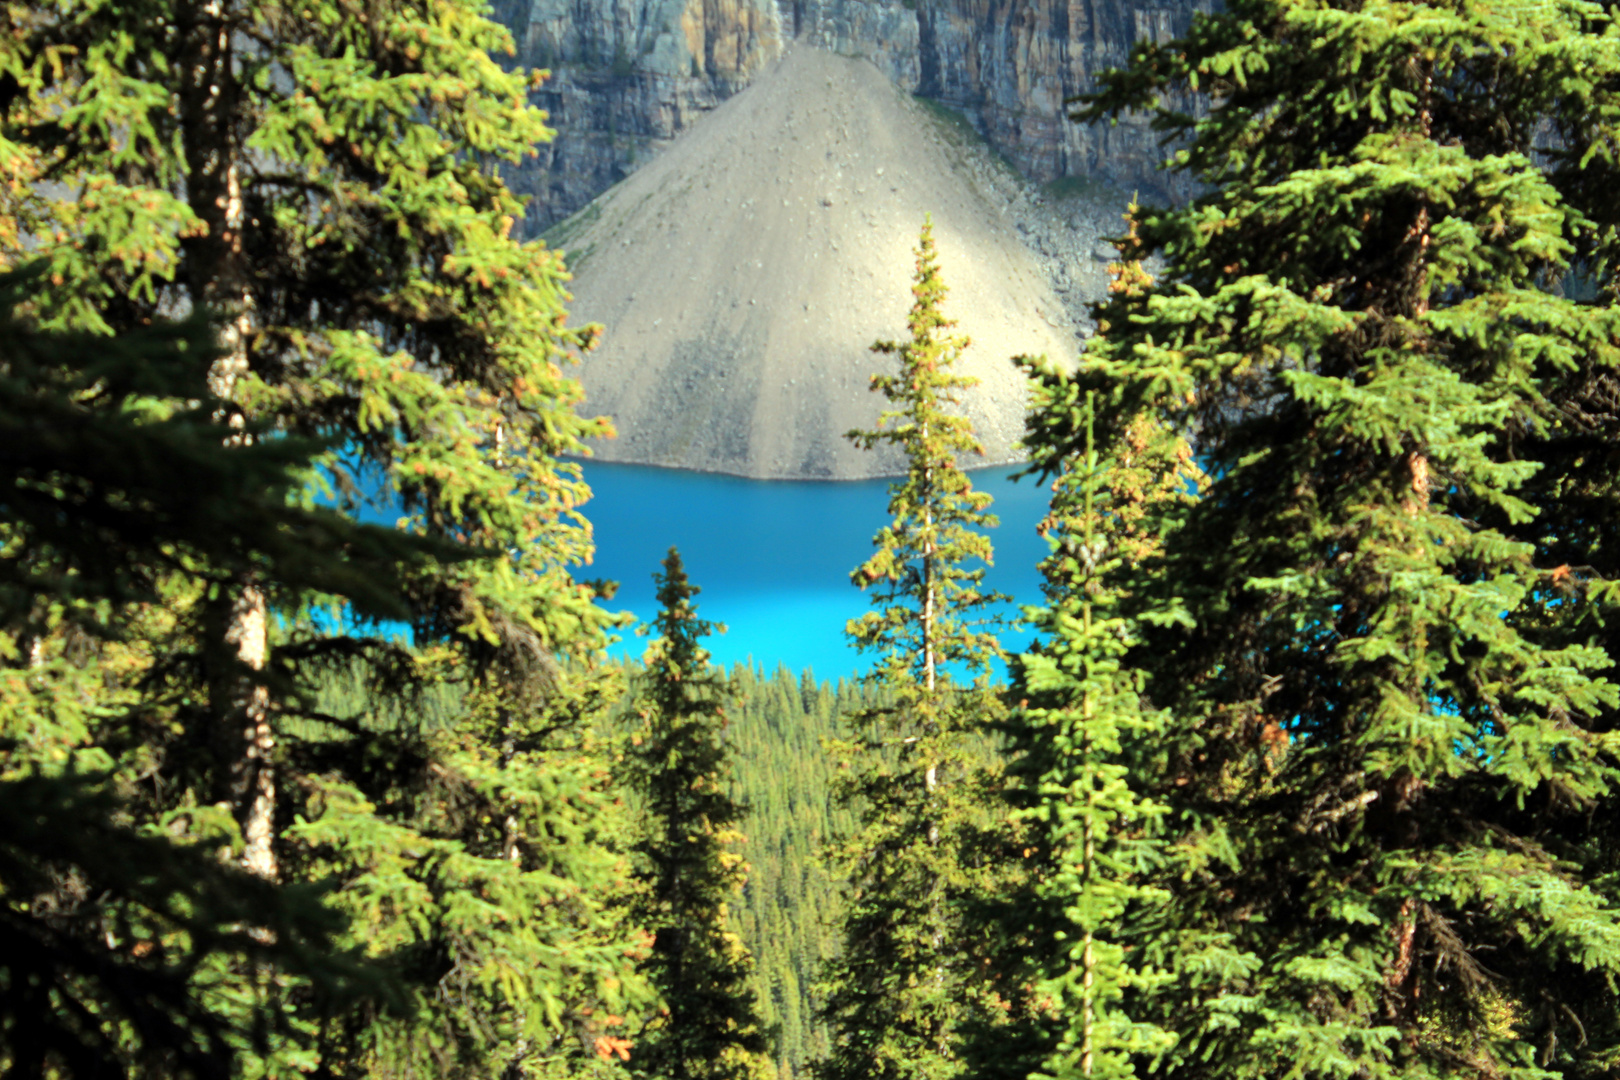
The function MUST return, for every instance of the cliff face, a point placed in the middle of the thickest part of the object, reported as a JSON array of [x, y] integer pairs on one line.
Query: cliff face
[[1009, 65], [629, 75]]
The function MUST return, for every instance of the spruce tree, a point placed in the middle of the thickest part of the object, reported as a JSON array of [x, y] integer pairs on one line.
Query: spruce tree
[[897, 993], [1076, 739], [325, 177], [1370, 761], [709, 1028], [123, 950]]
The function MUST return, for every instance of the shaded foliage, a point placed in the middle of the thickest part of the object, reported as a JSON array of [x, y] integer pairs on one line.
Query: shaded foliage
[[709, 1026], [1370, 767]]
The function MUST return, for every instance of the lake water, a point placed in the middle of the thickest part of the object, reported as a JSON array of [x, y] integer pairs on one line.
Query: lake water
[[773, 557]]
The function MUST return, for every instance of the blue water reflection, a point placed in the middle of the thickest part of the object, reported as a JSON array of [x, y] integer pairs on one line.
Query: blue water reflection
[[773, 557]]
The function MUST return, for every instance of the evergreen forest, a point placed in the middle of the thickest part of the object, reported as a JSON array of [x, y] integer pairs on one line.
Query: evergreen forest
[[313, 760]]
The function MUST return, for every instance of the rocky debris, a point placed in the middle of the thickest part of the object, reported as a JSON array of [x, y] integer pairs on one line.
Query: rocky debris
[[1064, 226], [743, 274], [630, 75]]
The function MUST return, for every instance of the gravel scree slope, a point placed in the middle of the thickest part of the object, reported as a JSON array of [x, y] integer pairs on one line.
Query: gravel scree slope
[[742, 275]]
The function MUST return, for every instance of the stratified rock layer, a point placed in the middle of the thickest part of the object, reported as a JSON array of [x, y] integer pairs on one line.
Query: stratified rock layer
[[744, 273], [630, 75], [627, 77]]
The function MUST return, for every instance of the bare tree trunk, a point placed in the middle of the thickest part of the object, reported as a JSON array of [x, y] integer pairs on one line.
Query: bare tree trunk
[[218, 278], [928, 578], [931, 777], [931, 774], [241, 705]]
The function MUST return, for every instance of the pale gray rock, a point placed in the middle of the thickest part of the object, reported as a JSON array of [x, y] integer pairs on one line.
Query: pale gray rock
[[742, 276]]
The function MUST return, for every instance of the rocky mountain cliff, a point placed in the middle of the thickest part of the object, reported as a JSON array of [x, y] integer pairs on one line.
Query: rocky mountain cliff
[[630, 75]]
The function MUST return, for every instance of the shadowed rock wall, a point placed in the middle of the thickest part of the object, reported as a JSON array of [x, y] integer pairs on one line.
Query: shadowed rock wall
[[629, 75]]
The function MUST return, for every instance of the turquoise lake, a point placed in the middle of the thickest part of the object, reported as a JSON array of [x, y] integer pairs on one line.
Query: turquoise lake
[[773, 557]]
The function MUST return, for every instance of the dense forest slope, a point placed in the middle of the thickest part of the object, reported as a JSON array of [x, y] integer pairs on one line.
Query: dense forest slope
[[775, 726], [743, 276], [788, 917]]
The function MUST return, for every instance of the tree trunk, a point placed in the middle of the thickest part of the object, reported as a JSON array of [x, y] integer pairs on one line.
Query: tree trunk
[[931, 775], [928, 570], [217, 275], [240, 703]]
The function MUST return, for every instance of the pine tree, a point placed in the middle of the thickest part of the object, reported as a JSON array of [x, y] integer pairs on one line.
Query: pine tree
[[710, 1029], [1058, 937], [922, 587], [126, 951], [325, 177], [486, 862], [899, 990], [1571, 435], [1150, 477], [1370, 761], [1075, 740]]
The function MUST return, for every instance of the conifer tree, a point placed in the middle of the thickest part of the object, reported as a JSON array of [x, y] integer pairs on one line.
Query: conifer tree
[[710, 1027], [1075, 740], [1058, 938], [1148, 480], [1370, 762], [325, 177], [1572, 436], [897, 993], [124, 951], [923, 588]]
